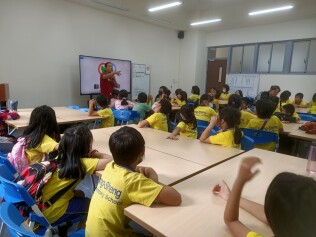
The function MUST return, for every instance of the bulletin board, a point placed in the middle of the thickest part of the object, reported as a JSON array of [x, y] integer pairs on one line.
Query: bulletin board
[[140, 79], [247, 83]]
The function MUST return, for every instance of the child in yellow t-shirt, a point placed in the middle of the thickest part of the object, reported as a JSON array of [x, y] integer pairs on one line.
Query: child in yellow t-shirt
[[245, 103], [74, 161], [225, 93], [265, 121], [187, 127], [124, 183], [160, 119], [180, 99], [195, 96], [312, 105], [280, 210], [215, 94], [298, 102], [234, 101], [230, 134], [105, 112], [204, 111]]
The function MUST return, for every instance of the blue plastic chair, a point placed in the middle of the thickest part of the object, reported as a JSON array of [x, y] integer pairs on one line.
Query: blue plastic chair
[[299, 113], [17, 226], [214, 107], [173, 126], [84, 109], [247, 143], [307, 117], [7, 163], [202, 122], [200, 130], [135, 115], [122, 116], [262, 137], [73, 106]]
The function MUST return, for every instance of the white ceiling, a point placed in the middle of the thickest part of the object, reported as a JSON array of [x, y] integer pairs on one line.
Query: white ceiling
[[234, 13]]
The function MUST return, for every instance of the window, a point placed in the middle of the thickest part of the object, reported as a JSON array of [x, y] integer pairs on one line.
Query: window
[[236, 59], [264, 58], [311, 66], [277, 57], [248, 59], [299, 56]]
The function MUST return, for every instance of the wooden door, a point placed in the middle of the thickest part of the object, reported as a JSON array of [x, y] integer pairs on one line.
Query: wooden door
[[216, 74]]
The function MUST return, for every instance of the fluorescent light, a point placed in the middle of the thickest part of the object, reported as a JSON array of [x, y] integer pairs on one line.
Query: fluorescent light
[[173, 4], [204, 22], [270, 10]]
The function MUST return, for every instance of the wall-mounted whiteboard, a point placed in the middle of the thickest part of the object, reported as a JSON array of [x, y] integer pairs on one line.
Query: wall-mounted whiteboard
[[247, 83], [140, 79]]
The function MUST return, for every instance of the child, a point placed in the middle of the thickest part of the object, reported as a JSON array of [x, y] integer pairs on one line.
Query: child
[[234, 101], [142, 106], [122, 102], [245, 103], [195, 94], [180, 98], [160, 119], [124, 183], [204, 111], [299, 102], [187, 126], [265, 121], [284, 99], [312, 105], [230, 134], [288, 114], [289, 206], [162, 93], [105, 111], [225, 95], [114, 94], [239, 92], [215, 97], [73, 165]]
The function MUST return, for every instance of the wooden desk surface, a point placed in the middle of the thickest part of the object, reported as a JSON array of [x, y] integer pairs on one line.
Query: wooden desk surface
[[169, 168], [222, 102], [201, 212], [291, 127], [300, 134], [301, 110], [185, 148]]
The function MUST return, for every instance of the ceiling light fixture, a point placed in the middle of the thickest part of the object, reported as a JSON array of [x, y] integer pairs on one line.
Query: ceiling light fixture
[[270, 10], [204, 22], [173, 4]]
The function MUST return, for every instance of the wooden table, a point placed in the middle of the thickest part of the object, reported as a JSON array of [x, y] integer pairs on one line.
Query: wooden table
[[300, 134], [185, 148], [201, 212], [222, 102], [301, 110]]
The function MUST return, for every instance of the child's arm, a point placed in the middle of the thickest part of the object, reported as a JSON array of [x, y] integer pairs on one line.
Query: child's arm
[[104, 159], [173, 135], [91, 108], [206, 133], [231, 215], [143, 124], [148, 172]]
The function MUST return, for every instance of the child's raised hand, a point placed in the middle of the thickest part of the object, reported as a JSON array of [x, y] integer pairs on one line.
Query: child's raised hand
[[91, 101], [222, 190], [245, 174], [214, 120]]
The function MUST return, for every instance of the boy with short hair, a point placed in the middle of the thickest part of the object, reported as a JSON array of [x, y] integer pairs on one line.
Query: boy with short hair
[[124, 183], [298, 102], [141, 106], [105, 112], [288, 114]]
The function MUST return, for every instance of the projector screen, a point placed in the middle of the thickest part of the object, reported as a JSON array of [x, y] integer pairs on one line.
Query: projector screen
[[92, 67]]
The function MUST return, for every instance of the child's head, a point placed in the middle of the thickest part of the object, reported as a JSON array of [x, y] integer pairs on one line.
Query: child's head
[[74, 145], [288, 109], [162, 90], [230, 118], [182, 96], [290, 205], [285, 96], [42, 122], [234, 101], [244, 102], [115, 93], [187, 114], [265, 108], [274, 90], [225, 88], [163, 106], [299, 97], [239, 92], [204, 99], [102, 101], [142, 97], [177, 91], [123, 96], [195, 90], [127, 145]]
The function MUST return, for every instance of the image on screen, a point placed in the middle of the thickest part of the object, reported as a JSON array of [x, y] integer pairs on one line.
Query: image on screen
[[92, 67]]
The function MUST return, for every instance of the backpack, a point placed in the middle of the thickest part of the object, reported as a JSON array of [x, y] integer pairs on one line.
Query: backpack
[[17, 156]]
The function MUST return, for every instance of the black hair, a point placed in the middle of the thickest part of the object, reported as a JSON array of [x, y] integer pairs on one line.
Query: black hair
[[106, 64], [275, 87], [166, 108], [168, 93], [232, 117], [184, 96], [314, 97], [204, 97], [102, 101], [126, 145], [142, 97], [290, 109], [299, 95], [115, 93], [265, 108], [275, 101], [240, 93], [226, 87], [162, 89], [123, 96], [42, 122], [290, 205], [245, 100], [74, 145], [234, 101], [195, 90], [218, 93], [187, 111], [284, 96], [177, 91]]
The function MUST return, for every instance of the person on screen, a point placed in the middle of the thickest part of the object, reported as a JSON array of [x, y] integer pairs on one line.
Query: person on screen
[[107, 80]]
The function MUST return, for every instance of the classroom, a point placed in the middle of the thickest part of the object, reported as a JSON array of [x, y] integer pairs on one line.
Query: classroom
[[46, 38]]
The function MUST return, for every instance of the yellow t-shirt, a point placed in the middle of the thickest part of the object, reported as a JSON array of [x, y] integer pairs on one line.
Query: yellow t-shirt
[[303, 103], [194, 97], [118, 188], [47, 145], [158, 121], [225, 139], [245, 118], [108, 122], [187, 130], [296, 116], [58, 209], [312, 108], [273, 125], [178, 102], [204, 113], [253, 234], [224, 96]]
